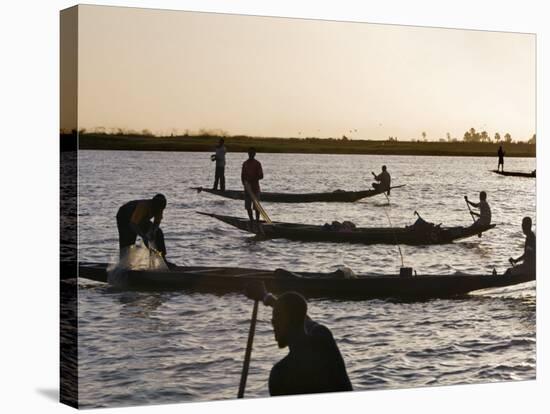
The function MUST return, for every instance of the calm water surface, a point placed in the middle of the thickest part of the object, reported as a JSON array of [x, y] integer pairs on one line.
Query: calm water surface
[[140, 348]]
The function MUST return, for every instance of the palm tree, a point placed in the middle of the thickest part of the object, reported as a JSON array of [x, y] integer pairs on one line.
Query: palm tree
[[424, 135], [507, 138], [497, 137]]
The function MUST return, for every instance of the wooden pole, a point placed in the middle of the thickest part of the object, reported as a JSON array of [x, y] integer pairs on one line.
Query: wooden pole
[[248, 352]]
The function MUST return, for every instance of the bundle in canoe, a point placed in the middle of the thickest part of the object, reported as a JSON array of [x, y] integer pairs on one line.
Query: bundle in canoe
[[420, 233], [338, 196], [532, 174], [311, 284]]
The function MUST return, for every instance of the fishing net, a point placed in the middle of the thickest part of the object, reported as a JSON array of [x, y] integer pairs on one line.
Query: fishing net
[[136, 257]]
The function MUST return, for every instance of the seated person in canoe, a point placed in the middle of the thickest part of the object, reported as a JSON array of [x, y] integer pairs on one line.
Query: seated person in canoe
[[528, 258], [134, 219], [251, 174], [484, 215], [314, 363], [384, 181]]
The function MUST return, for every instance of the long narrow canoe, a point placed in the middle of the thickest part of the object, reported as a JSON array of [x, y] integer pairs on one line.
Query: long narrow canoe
[[311, 284], [338, 196], [532, 174], [411, 235]]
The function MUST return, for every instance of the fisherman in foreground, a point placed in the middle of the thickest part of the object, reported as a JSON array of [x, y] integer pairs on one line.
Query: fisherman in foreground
[[384, 181], [528, 258], [251, 175], [484, 215], [134, 219], [314, 363]]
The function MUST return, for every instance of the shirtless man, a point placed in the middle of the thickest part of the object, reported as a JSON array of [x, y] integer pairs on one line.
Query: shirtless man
[[484, 215], [528, 258]]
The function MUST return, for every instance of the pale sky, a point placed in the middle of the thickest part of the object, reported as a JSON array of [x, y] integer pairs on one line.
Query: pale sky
[[263, 76]]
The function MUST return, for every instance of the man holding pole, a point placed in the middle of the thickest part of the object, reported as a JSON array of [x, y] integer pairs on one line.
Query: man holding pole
[[251, 175], [528, 258], [484, 215], [314, 363]]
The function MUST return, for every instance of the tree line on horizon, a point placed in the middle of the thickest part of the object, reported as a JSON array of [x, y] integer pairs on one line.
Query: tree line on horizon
[[470, 136]]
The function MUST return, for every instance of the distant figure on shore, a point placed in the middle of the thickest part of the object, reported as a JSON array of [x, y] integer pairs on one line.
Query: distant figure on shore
[[384, 181], [314, 363], [219, 157], [484, 215], [134, 219], [528, 258], [501, 154], [251, 175]]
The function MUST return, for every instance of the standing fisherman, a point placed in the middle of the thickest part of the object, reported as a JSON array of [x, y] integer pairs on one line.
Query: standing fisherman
[[500, 154], [251, 175], [219, 157]]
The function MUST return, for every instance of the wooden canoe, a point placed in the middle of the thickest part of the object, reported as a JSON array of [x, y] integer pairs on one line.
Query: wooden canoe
[[222, 280], [332, 197], [411, 235], [532, 174]]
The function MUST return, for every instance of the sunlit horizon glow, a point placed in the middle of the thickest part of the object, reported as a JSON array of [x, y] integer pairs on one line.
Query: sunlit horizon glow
[[172, 71]]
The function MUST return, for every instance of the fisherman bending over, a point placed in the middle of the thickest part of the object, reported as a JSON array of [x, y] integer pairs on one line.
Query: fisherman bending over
[[314, 363], [134, 219], [484, 215], [528, 258], [219, 157], [384, 181], [251, 175], [500, 154]]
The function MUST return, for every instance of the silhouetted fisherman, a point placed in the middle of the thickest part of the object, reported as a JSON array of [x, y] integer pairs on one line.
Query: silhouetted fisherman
[[528, 258], [484, 215], [500, 158], [219, 157], [314, 363], [251, 173], [134, 219], [384, 180]]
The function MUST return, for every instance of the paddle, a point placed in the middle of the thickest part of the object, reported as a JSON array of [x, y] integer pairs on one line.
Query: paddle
[[257, 203], [471, 212], [248, 352]]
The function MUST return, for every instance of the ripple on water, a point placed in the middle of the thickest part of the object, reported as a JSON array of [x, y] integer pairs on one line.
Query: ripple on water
[[138, 348]]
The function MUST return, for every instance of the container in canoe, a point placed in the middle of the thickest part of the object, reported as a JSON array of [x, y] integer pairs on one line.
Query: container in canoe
[[532, 174], [420, 233], [338, 196], [222, 280]]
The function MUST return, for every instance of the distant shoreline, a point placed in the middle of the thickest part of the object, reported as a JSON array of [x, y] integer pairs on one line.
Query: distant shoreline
[[205, 143]]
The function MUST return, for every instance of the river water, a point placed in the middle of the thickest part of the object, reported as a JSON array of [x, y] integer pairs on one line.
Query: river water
[[138, 348]]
